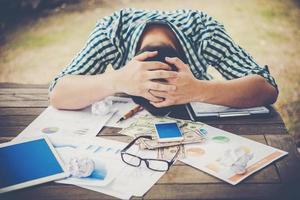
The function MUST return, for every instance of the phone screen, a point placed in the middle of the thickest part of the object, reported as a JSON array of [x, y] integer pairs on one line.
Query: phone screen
[[168, 130]]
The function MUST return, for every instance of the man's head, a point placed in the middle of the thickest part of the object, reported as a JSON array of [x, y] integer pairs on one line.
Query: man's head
[[163, 52], [158, 36]]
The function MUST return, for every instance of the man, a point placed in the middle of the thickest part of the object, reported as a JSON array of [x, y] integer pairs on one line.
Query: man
[[200, 41]]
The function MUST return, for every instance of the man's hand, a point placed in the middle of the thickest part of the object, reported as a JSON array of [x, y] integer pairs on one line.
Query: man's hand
[[244, 92], [184, 83], [136, 77]]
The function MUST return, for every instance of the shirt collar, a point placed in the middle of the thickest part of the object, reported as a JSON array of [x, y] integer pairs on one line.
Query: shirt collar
[[140, 26]]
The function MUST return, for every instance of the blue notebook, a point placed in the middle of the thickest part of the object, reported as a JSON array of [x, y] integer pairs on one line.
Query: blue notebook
[[27, 163]]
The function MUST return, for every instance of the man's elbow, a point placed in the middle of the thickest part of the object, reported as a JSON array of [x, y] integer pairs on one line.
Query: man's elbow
[[267, 93], [273, 95], [58, 99], [57, 96], [55, 100]]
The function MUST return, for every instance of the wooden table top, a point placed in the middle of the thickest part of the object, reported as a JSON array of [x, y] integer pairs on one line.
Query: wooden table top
[[21, 104]]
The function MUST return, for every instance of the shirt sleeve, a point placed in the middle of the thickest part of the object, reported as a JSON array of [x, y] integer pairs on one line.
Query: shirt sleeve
[[97, 53], [220, 51]]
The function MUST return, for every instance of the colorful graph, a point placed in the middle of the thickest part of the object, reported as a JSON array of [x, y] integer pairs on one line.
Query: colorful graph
[[49, 130], [99, 173], [213, 166], [81, 131], [246, 149], [203, 131], [220, 139], [100, 149], [196, 152]]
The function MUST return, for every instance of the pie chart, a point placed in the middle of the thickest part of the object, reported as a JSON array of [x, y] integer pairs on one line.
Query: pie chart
[[220, 139]]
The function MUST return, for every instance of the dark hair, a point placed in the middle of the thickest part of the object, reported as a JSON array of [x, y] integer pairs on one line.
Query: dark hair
[[163, 52]]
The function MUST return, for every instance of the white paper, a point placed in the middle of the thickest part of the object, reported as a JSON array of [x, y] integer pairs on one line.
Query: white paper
[[122, 106], [201, 108], [91, 146], [110, 192], [212, 156], [132, 181], [107, 151], [62, 122], [124, 181], [107, 164]]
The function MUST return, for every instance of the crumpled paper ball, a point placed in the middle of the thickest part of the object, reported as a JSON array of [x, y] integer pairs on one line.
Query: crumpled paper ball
[[239, 167], [103, 107], [80, 167], [237, 160]]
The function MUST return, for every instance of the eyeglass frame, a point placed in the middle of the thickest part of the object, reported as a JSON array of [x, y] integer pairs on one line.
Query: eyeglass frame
[[123, 151]]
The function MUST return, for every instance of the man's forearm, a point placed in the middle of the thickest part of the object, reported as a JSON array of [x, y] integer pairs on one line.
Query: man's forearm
[[135, 78], [248, 91], [79, 91]]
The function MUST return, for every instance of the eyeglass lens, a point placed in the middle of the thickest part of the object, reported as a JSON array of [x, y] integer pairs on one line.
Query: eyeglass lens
[[157, 165]]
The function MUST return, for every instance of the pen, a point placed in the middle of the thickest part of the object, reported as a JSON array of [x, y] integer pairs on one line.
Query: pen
[[183, 125], [131, 113]]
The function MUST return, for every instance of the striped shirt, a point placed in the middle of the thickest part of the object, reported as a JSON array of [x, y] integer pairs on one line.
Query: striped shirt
[[203, 39]]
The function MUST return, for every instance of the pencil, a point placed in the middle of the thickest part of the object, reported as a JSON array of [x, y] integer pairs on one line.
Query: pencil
[[131, 113]]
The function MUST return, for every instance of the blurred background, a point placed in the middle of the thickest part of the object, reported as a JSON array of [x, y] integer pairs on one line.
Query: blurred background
[[38, 38]]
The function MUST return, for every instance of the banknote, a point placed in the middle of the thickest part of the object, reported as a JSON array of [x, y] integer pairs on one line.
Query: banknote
[[145, 126]]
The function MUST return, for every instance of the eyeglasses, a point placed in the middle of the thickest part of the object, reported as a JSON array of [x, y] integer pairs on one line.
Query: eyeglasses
[[153, 164]]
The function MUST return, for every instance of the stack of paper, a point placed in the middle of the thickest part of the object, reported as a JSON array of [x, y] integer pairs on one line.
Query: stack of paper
[[229, 157], [63, 122], [200, 109], [116, 178]]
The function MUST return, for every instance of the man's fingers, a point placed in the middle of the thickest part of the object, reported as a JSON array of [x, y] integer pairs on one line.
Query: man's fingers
[[171, 81], [158, 74], [143, 56], [155, 65], [177, 62], [162, 103], [152, 98], [161, 87], [159, 93]]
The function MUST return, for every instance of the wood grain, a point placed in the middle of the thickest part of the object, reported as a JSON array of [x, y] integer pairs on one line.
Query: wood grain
[[216, 191], [4, 111], [288, 167], [24, 104], [22, 90], [20, 85], [23, 97], [55, 191], [21, 104]]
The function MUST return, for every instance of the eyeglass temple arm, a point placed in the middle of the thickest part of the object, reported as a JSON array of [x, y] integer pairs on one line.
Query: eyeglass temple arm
[[175, 156], [133, 141]]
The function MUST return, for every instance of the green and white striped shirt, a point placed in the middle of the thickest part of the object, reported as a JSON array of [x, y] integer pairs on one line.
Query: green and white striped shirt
[[204, 41]]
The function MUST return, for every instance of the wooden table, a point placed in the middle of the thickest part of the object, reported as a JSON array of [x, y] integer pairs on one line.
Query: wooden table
[[21, 104]]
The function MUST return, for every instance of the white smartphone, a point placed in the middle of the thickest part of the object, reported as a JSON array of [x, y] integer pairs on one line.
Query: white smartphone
[[168, 132]]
